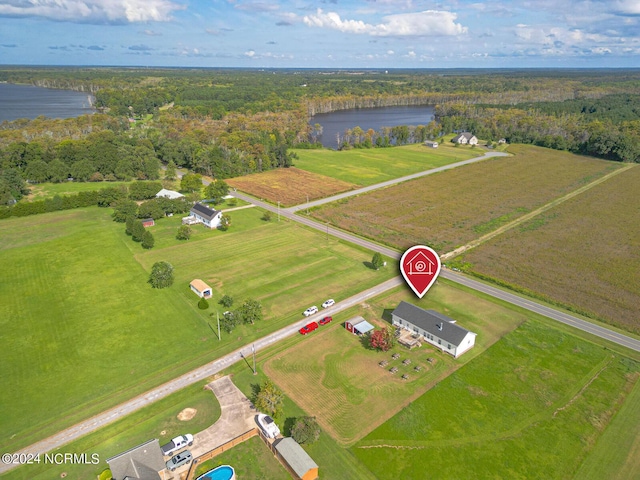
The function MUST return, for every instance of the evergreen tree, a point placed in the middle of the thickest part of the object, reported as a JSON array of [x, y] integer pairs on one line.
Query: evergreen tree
[[147, 240]]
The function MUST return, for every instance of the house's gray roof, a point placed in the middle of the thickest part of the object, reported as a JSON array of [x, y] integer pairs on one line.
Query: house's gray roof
[[139, 463], [204, 211], [467, 135], [429, 320], [299, 460]]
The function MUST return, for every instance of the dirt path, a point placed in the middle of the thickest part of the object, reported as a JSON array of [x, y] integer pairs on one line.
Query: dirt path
[[533, 214]]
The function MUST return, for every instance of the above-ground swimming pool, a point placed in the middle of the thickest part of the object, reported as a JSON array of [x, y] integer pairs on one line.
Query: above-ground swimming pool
[[223, 472]]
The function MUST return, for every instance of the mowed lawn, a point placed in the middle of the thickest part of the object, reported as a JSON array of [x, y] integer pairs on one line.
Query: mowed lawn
[[84, 330], [369, 166], [451, 208], [584, 253], [81, 327], [283, 265], [289, 186], [532, 406], [333, 376]]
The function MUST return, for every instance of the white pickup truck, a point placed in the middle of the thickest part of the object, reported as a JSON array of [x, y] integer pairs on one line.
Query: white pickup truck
[[177, 443]]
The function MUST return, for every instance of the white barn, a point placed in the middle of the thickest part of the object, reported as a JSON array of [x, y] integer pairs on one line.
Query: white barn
[[436, 328]]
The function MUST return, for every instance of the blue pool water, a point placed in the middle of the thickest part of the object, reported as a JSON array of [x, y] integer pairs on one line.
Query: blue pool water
[[224, 472]]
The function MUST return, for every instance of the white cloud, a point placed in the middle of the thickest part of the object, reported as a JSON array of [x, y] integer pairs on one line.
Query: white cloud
[[627, 7], [427, 23], [93, 11]]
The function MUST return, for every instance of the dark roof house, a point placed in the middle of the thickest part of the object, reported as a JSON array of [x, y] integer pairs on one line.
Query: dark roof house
[[436, 328], [139, 463]]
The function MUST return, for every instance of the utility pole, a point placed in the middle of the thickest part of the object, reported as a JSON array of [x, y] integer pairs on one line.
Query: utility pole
[[253, 349]]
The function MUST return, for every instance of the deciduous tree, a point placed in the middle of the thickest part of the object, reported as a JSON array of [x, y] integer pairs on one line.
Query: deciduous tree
[[305, 430], [269, 399], [161, 275]]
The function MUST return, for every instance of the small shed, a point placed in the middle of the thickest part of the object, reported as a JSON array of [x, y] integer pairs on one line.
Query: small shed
[[201, 289], [148, 222], [299, 461], [358, 326]]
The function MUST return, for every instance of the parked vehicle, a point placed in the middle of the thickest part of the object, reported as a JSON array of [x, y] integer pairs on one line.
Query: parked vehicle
[[310, 311], [177, 444], [183, 458], [325, 320], [268, 426], [310, 327], [328, 303]]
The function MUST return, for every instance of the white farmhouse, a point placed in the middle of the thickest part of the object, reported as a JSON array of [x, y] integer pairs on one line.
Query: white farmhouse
[[202, 214], [436, 328]]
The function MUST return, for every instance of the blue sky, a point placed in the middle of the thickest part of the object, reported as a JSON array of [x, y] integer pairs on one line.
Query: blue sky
[[327, 34]]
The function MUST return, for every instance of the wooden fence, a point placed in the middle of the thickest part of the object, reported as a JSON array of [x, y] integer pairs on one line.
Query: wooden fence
[[218, 450]]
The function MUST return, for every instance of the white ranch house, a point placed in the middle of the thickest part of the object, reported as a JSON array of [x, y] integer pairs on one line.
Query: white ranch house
[[436, 328], [465, 138]]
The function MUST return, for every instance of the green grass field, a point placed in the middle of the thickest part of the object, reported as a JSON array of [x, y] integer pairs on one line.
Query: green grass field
[[332, 374], [148, 423], [532, 406], [369, 166], [84, 331], [41, 191]]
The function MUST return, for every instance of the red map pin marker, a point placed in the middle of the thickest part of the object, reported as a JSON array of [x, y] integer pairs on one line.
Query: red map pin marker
[[420, 267]]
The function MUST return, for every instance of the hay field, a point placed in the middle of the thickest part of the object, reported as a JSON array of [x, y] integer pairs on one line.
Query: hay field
[[451, 208], [369, 166], [532, 406], [584, 253], [289, 186], [333, 376]]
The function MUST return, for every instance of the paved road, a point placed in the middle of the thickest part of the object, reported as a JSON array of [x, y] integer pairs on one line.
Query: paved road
[[394, 181], [461, 279]]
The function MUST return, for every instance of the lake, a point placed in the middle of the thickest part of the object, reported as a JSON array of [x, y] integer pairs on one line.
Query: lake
[[26, 101], [337, 122]]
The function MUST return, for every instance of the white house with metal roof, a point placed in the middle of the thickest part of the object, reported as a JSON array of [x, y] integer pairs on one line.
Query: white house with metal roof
[[202, 214], [436, 328]]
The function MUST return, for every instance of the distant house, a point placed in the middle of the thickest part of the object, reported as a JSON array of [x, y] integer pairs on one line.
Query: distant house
[[143, 462], [465, 138], [202, 214], [148, 222], [169, 194], [358, 326], [431, 143], [436, 328], [299, 461], [200, 288]]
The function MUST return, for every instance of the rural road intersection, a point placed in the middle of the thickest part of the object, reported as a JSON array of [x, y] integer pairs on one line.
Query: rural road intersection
[[210, 369]]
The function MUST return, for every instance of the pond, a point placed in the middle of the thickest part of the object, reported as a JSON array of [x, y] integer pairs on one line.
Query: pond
[[335, 123]]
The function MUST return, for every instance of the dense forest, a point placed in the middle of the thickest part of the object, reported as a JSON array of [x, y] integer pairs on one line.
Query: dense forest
[[229, 122]]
